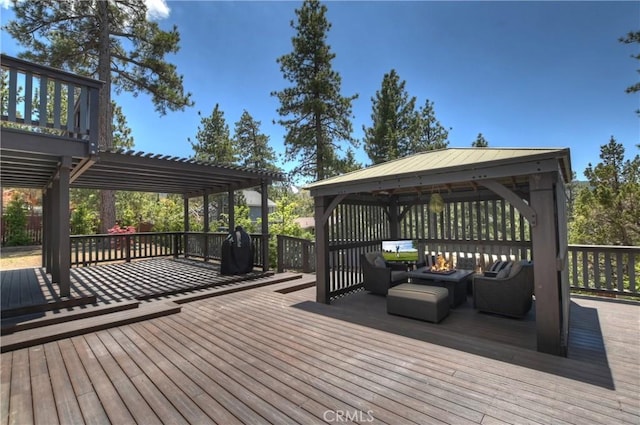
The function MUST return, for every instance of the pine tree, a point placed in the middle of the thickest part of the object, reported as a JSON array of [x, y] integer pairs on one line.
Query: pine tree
[[431, 134], [480, 142], [112, 41], [213, 141], [393, 120], [606, 211], [316, 117], [632, 37], [122, 137], [256, 152]]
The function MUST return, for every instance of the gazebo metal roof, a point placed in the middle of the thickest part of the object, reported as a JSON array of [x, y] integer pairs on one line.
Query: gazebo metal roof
[[447, 168]]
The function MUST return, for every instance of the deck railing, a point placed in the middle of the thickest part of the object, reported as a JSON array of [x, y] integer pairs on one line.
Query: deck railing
[[94, 249], [296, 254], [41, 99], [604, 270], [607, 270], [208, 246]]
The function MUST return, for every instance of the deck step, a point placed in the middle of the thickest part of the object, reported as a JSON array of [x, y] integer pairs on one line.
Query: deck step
[[37, 320], [236, 287], [48, 306], [229, 280], [307, 281], [31, 337]]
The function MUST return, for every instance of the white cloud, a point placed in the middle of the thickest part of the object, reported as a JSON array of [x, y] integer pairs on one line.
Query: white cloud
[[6, 4], [156, 9]]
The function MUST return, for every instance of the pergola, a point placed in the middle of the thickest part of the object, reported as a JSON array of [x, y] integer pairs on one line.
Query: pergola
[[498, 202], [47, 145]]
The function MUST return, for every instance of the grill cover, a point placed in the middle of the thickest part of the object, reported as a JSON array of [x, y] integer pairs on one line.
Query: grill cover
[[237, 253]]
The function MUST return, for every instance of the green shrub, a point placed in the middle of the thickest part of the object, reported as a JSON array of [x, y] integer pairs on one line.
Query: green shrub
[[16, 222]]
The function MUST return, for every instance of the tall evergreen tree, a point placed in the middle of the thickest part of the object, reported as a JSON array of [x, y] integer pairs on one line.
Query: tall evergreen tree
[[430, 133], [254, 146], [112, 41], [316, 117], [480, 142], [633, 37], [213, 143], [393, 120]]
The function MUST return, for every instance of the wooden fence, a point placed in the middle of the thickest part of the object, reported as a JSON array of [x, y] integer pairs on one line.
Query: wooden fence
[[33, 230]]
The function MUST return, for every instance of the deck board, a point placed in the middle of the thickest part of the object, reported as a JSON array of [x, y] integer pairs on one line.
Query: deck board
[[261, 356]]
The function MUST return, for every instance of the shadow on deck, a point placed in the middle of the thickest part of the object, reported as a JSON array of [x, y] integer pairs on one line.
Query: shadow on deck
[[505, 339], [112, 295]]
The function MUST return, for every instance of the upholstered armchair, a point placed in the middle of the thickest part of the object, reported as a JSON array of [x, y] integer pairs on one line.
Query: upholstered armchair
[[511, 295], [379, 275]]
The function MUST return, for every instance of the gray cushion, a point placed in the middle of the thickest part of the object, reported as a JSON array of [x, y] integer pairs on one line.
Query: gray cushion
[[379, 262], [422, 302], [498, 265], [515, 268], [399, 276]]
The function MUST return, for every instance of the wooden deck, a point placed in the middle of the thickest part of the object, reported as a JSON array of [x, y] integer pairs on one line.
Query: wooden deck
[[262, 356]]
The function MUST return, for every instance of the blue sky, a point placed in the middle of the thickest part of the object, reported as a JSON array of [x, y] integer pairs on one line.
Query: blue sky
[[524, 74]]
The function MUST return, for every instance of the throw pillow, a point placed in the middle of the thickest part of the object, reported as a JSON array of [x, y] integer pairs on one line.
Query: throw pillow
[[515, 268], [379, 262], [498, 265], [504, 272]]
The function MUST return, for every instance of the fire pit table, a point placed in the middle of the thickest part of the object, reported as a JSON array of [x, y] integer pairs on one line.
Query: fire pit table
[[454, 280]]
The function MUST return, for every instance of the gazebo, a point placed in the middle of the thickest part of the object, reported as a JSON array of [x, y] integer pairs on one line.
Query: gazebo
[[498, 203]]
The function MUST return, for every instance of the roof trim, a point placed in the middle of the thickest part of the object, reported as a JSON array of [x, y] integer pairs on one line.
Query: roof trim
[[446, 166]]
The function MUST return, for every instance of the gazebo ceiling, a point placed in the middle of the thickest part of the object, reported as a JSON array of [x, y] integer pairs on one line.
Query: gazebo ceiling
[[448, 170]]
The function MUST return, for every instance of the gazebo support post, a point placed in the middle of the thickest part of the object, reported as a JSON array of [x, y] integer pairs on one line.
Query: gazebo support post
[[322, 250], [55, 217], [185, 199], [548, 282], [46, 213], [205, 200], [231, 202], [265, 225], [61, 272]]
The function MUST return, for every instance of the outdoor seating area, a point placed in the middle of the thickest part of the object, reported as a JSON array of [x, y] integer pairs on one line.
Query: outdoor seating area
[[506, 288]]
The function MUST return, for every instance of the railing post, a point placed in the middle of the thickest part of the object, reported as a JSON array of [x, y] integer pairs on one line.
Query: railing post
[[280, 251], [306, 267], [127, 243], [175, 244]]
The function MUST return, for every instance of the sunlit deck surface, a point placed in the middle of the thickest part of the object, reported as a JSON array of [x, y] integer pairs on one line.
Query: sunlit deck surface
[[262, 356]]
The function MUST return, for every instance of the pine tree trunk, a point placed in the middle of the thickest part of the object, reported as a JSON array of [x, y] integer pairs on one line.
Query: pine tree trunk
[[107, 197]]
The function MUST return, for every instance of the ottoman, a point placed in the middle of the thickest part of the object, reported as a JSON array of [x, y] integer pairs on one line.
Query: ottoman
[[430, 303]]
